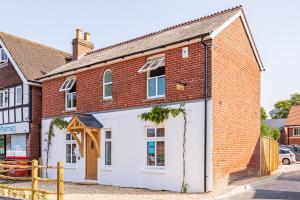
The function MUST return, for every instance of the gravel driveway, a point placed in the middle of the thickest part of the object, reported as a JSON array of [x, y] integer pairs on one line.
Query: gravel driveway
[[102, 192]]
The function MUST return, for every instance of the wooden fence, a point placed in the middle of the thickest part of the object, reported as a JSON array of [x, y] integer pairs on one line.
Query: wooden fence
[[269, 157], [15, 166]]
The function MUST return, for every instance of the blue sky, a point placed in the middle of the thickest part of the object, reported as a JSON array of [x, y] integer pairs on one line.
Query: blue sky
[[274, 24]]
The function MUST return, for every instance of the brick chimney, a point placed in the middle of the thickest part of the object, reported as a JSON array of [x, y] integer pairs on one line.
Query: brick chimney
[[81, 44]]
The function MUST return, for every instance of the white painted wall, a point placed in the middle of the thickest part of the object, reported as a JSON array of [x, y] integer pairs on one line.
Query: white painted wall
[[129, 151]]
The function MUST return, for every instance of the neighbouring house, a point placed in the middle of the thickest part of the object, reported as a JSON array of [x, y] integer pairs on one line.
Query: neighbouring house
[[280, 125], [21, 62], [211, 64], [291, 134]]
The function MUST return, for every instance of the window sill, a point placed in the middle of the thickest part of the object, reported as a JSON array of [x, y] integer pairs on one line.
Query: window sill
[[154, 170], [107, 99], [106, 168], [155, 98], [70, 110], [70, 166]]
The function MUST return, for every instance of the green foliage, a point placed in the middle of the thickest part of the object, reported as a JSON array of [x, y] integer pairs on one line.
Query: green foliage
[[295, 99], [281, 109], [263, 114], [59, 123], [159, 114], [267, 131]]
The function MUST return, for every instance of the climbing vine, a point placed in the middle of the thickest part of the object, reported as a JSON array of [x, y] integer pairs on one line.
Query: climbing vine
[[59, 123], [159, 114]]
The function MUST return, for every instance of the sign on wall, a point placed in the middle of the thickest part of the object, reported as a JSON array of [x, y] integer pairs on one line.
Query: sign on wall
[[14, 128]]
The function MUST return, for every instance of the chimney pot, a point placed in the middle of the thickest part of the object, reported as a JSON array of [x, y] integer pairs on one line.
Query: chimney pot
[[87, 36], [79, 33]]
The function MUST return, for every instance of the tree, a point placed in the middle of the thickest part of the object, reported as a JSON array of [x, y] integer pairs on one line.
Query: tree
[[281, 109], [295, 99], [263, 114], [159, 114], [267, 131]]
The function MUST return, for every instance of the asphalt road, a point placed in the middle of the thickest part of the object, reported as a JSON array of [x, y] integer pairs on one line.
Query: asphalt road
[[287, 186]]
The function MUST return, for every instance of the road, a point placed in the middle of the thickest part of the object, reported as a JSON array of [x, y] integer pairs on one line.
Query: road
[[287, 186]]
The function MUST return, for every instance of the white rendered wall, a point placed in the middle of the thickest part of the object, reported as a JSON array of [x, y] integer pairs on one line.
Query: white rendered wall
[[129, 151]]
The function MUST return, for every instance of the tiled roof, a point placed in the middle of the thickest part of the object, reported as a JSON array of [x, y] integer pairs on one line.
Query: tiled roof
[[275, 123], [166, 36], [33, 59], [294, 116], [89, 120]]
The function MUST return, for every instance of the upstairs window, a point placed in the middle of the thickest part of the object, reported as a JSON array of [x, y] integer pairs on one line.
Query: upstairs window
[[19, 95], [3, 99], [107, 84], [155, 69], [3, 56], [69, 87]]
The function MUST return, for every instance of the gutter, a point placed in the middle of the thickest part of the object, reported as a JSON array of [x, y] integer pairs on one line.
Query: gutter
[[127, 55], [205, 112]]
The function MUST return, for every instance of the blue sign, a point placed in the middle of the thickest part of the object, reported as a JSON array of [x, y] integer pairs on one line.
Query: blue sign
[[14, 128], [8, 129]]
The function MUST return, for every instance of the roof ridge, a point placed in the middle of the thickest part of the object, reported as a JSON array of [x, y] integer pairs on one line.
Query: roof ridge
[[166, 29], [35, 43]]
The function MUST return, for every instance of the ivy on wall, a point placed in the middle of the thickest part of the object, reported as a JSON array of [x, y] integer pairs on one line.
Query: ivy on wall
[[59, 123], [159, 114]]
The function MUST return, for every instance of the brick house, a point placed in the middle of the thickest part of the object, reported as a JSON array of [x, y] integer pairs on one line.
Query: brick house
[[21, 62], [211, 64], [290, 134]]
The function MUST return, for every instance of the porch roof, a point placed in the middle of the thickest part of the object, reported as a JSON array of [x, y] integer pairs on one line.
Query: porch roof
[[88, 120]]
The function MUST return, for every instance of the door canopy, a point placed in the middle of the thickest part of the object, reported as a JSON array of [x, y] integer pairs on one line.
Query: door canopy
[[81, 124]]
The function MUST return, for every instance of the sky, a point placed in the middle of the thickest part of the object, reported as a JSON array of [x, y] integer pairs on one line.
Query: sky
[[274, 24]]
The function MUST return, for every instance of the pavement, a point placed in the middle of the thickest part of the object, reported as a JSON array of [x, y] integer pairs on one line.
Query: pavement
[[286, 186]]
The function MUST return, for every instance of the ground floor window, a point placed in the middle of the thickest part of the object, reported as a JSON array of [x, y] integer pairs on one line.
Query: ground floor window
[[297, 131], [16, 145], [70, 149], [155, 147], [108, 147], [2, 147]]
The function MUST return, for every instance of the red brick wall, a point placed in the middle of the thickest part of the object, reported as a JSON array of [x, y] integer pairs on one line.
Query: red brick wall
[[129, 86], [293, 139], [33, 139], [9, 76], [236, 107]]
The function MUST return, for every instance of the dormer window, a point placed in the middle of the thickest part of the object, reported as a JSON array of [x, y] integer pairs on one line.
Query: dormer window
[[3, 57], [69, 87]]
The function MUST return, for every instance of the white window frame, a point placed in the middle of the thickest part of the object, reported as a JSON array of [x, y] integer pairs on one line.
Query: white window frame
[[72, 108], [5, 97], [66, 87], [70, 142], [3, 62], [68, 84], [19, 97], [294, 130], [107, 140], [155, 139], [156, 88], [152, 64], [108, 83]]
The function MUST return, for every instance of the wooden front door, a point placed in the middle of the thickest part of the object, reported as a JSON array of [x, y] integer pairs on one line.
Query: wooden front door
[[91, 157]]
